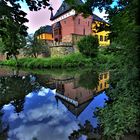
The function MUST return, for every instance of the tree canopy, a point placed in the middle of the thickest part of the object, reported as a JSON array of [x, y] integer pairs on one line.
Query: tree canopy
[[12, 23], [88, 46]]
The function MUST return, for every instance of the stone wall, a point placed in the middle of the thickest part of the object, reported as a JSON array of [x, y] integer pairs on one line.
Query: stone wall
[[76, 38], [67, 38], [73, 38], [61, 50], [2, 57]]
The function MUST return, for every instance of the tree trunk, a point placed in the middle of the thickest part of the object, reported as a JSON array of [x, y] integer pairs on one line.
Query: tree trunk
[[15, 59]]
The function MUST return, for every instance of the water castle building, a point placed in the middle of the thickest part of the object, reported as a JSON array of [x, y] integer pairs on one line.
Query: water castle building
[[70, 26]]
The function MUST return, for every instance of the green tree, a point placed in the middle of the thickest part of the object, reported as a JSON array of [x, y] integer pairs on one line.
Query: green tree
[[12, 28], [88, 46], [12, 40], [34, 46], [12, 20]]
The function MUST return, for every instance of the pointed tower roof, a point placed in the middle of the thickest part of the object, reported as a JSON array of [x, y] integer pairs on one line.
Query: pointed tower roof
[[65, 7]]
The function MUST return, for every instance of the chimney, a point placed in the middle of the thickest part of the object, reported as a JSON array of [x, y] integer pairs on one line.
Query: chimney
[[51, 9]]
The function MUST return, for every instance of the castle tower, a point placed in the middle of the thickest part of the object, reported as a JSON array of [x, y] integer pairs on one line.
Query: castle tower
[[68, 25]]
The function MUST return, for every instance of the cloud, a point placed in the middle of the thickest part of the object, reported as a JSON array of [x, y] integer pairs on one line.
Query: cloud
[[41, 131], [100, 14], [44, 123]]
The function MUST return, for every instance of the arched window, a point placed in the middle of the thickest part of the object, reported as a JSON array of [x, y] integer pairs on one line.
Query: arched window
[[101, 86], [101, 38], [84, 31], [105, 84], [105, 39], [78, 21]]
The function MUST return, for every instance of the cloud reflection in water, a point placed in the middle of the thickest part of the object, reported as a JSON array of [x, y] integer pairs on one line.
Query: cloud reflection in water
[[45, 118]]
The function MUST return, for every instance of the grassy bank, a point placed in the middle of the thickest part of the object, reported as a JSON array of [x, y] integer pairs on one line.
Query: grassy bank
[[73, 60]]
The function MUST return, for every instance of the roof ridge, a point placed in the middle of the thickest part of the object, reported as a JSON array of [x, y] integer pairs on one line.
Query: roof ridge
[[64, 7], [96, 17]]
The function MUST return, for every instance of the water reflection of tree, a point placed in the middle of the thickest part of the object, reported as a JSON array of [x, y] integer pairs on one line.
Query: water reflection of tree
[[88, 79], [14, 88], [88, 130], [3, 135]]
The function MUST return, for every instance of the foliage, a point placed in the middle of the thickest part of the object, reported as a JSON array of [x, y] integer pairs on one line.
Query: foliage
[[12, 28], [34, 47], [89, 5], [10, 90], [12, 24], [12, 40], [88, 79], [73, 60], [122, 115], [88, 46]]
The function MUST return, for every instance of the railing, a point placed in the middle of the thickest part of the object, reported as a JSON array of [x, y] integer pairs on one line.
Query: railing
[[55, 44], [65, 98]]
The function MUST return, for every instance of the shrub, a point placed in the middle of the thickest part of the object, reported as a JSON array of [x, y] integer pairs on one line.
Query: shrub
[[88, 46]]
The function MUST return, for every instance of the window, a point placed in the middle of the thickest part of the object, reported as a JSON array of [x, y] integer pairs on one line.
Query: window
[[84, 31], [105, 39], [105, 84], [63, 8], [105, 75], [41, 36], [45, 36], [101, 86], [101, 76], [88, 23], [78, 21], [56, 32], [101, 38]]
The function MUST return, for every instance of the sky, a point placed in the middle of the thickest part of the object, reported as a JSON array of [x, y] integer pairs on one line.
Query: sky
[[42, 17]]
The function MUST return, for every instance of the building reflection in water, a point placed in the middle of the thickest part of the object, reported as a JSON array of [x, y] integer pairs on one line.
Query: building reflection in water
[[70, 87], [40, 112]]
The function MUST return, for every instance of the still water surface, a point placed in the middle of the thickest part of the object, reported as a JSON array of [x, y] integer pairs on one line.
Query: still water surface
[[31, 110]]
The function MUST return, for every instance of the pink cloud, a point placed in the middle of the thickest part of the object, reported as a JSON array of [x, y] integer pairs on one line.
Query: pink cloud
[[41, 17]]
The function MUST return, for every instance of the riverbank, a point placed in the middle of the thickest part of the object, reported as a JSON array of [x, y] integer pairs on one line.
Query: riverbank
[[69, 61], [73, 60]]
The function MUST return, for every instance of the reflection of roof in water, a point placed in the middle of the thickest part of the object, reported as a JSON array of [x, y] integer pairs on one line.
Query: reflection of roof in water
[[76, 110], [96, 101]]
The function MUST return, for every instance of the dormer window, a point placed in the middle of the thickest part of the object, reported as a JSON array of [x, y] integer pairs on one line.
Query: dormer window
[[63, 8]]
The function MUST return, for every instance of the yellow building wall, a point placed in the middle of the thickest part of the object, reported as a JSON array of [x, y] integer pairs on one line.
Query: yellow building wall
[[102, 36], [103, 82], [45, 36]]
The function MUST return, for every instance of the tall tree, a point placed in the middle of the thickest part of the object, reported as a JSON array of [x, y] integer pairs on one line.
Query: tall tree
[[34, 46], [12, 20]]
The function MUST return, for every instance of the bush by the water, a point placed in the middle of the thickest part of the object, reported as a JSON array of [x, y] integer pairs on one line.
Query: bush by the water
[[88, 46], [72, 60]]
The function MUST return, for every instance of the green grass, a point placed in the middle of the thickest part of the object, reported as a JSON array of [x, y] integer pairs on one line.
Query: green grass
[[72, 60]]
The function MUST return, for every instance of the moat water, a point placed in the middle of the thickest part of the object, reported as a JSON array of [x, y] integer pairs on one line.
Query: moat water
[[30, 109]]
